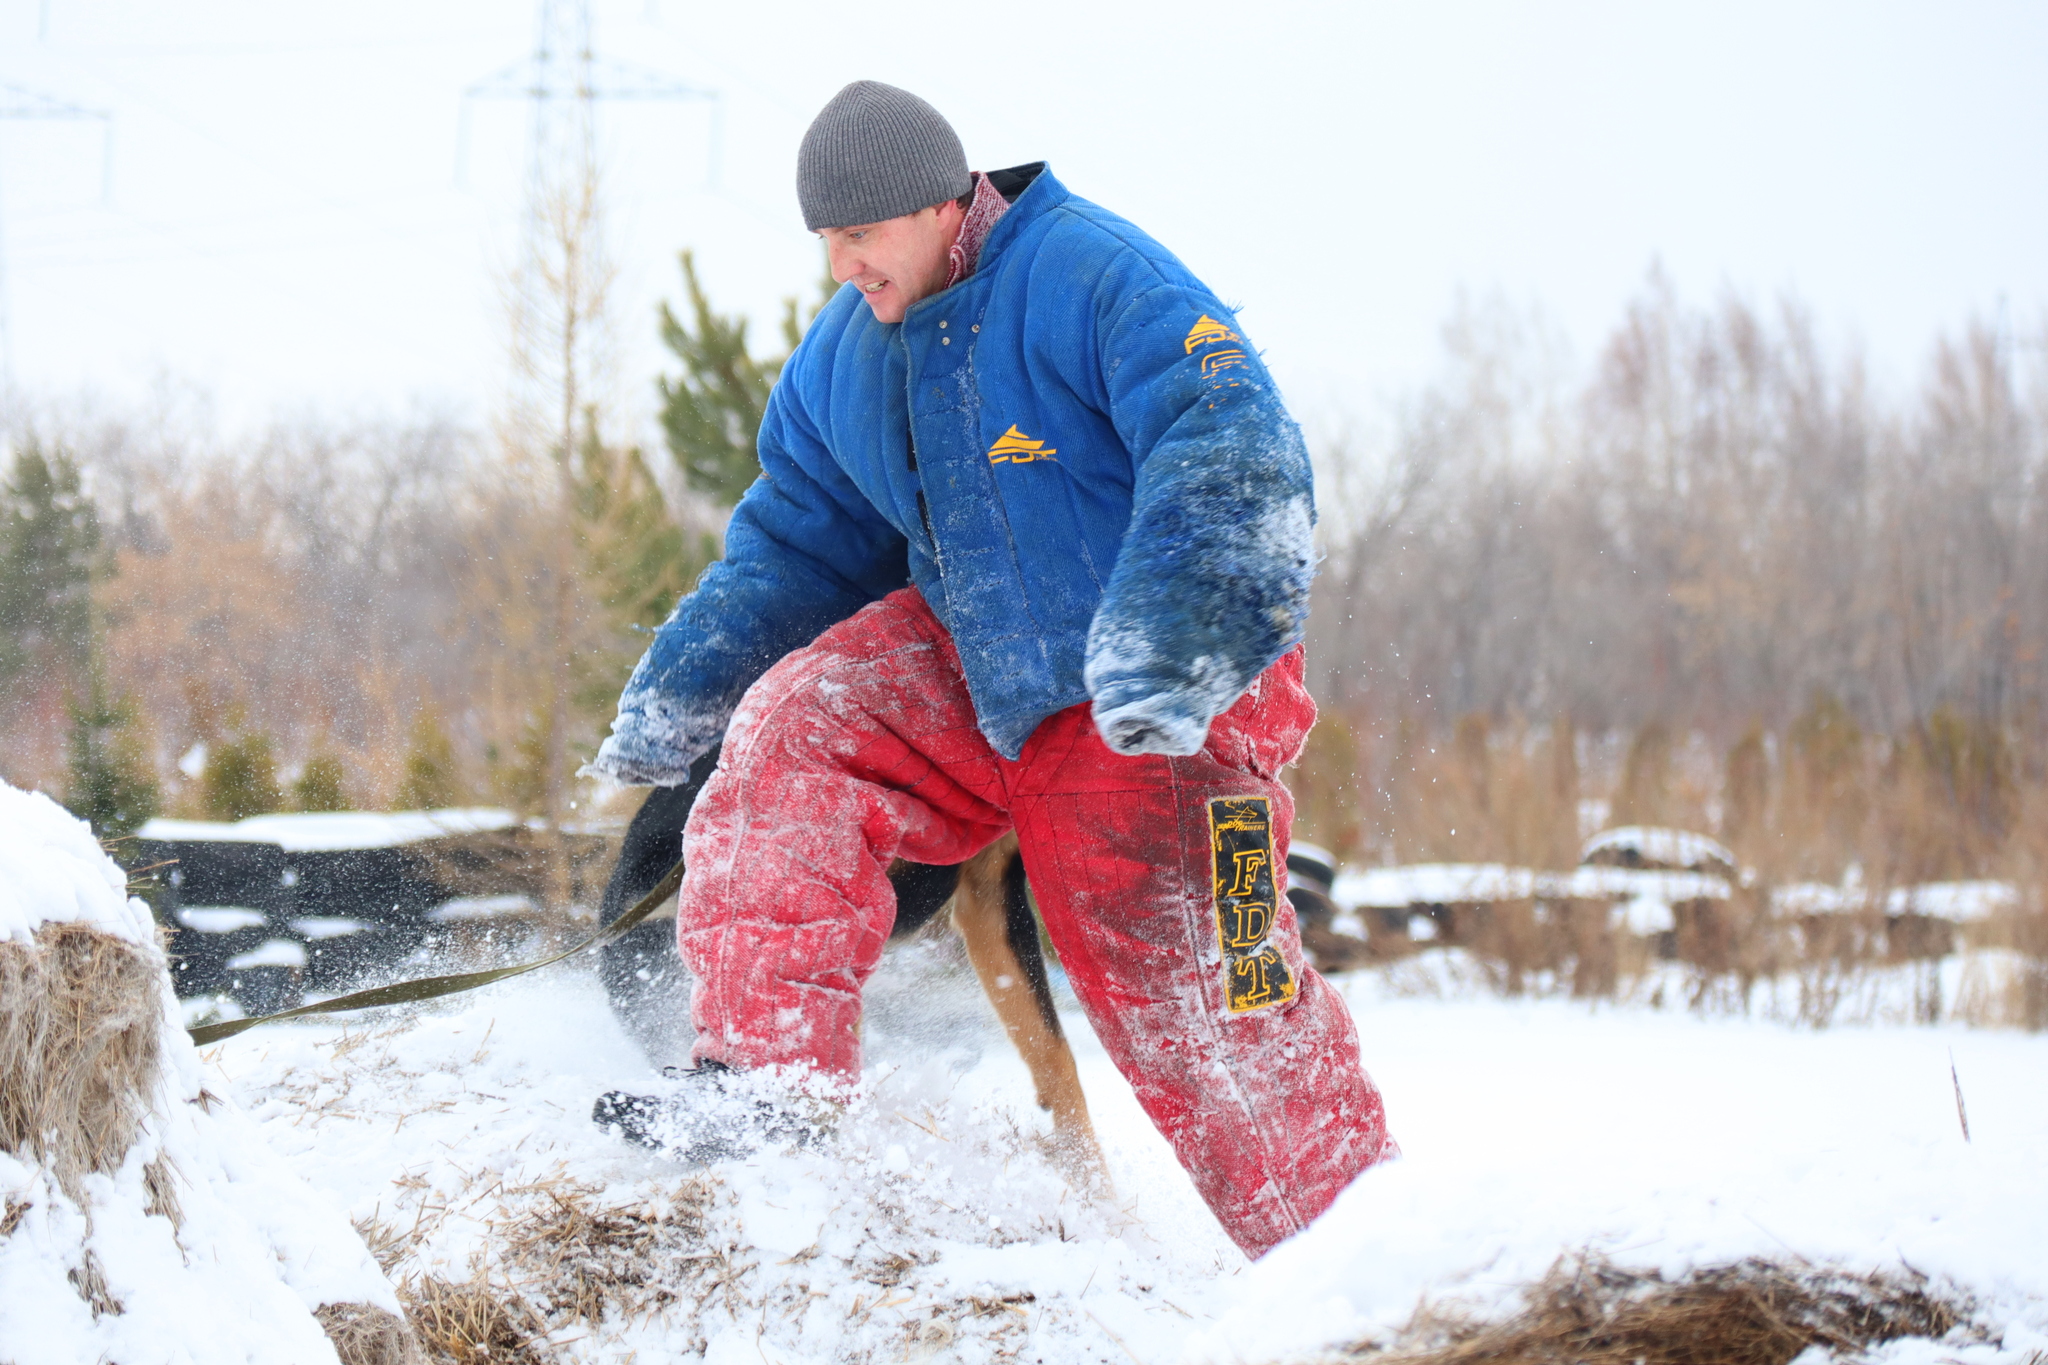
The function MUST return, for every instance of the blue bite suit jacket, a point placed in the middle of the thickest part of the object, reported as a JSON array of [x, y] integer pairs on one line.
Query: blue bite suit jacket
[[1074, 454]]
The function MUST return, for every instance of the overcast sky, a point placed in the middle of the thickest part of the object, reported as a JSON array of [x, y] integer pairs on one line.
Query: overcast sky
[[297, 208]]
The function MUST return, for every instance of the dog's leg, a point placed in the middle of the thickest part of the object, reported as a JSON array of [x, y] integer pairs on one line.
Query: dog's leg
[[1001, 934]]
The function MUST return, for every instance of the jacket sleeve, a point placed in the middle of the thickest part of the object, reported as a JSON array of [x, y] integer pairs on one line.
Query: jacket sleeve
[[804, 549], [1211, 583]]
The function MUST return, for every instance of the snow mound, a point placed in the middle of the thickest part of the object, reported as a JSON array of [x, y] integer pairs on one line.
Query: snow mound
[[1676, 849], [1668, 1145], [930, 1224], [195, 1245], [52, 871]]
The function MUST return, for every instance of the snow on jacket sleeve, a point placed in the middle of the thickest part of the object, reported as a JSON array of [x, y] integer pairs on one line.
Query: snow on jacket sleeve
[[1212, 581], [804, 550]]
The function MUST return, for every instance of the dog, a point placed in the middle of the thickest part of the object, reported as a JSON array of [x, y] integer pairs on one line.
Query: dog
[[990, 909]]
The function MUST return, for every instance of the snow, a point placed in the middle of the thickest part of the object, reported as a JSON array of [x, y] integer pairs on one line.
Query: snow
[[52, 871], [315, 928], [1667, 1141], [1396, 888], [1957, 902], [933, 1197], [274, 952], [1532, 1129], [1646, 915], [1671, 847], [931, 1224], [1961, 902], [220, 919], [256, 1249], [330, 831], [481, 907]]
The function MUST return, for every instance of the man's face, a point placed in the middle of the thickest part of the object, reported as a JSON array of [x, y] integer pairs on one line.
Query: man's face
[[897, 261]]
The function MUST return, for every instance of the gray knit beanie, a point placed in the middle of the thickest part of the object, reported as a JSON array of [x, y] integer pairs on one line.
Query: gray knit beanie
[[877, 152]]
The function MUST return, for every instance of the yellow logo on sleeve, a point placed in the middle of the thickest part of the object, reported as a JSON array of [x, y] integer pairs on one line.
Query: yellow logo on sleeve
[[1014, 447], [1206, 331]]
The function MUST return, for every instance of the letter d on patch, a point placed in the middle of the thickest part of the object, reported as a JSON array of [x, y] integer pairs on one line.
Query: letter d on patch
[[1247, 903]]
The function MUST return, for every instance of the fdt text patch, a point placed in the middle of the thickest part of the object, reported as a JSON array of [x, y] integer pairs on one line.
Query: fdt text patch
[[1247, 903]]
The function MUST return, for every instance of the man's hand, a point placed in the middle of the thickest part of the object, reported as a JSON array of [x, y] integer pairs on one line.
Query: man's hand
[[1173, 723]]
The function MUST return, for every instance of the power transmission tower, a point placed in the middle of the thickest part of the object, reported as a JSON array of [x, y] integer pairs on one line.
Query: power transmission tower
[[23, 105], [559, 297], [563, 80]]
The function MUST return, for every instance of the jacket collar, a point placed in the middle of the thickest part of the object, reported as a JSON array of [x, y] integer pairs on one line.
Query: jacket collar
[[1032, 190], [1037, 193]]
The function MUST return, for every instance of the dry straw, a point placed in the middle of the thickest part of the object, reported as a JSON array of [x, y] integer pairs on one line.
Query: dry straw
[[561, 1255], [1588, 1311], [80, 1047], [81, 1052]]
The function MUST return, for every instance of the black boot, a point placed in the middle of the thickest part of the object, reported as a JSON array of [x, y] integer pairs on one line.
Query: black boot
[[710, 1113]]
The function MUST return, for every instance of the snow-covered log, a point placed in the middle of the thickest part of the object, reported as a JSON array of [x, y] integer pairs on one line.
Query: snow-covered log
[[142, 1218]]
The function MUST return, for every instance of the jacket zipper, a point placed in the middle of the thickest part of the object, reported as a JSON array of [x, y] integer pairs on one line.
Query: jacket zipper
[[923, 511]]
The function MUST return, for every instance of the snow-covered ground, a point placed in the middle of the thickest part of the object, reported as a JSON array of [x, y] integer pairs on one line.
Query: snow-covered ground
[[198, 1245], [934, 1227]]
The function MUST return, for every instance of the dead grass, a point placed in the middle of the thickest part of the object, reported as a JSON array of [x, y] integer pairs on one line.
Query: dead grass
[[2004, 989], [160, 1179], [582, 1257], [80, 1015], [562, 1254], [89, 1279], [476, 1321], [1588, 1311], [1724, 956], [1950, 799], [365, 1335]]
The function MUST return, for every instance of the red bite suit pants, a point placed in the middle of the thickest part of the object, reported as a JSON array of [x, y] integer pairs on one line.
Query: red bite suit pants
[[1161, 881]]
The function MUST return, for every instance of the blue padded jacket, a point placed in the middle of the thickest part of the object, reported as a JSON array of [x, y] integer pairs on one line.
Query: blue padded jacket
[[1073, 453]]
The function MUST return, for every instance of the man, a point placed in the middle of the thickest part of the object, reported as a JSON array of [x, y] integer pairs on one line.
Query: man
[[1030, 548]]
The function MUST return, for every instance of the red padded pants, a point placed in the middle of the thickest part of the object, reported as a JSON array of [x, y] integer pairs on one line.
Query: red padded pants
[[1161, 881]]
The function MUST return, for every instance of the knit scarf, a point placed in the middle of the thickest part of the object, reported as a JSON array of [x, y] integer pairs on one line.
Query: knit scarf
[[988, 205]]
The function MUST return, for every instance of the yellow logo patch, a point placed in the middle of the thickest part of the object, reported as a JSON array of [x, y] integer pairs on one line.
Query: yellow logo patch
[[1255, 975], [1014, 447], [1207, 330]]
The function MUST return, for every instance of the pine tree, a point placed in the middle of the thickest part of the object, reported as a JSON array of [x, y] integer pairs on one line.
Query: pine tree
[[635, 560], [49, 546], [712, 411], [322, 785], [241, 778], [635, 556], [111, 784], [430, 781], [521, 780]]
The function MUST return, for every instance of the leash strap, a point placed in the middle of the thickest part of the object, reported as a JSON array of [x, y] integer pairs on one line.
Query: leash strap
[[428, 987]]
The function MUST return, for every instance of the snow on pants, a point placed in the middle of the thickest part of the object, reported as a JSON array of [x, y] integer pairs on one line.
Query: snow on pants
[[1161, 882]]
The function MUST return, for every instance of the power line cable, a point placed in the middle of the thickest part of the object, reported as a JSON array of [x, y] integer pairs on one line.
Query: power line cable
[[563, 68], [20, 104]]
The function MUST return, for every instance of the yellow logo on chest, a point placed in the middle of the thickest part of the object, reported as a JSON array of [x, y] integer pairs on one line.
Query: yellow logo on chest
[[1014, 447], [1207, 330]]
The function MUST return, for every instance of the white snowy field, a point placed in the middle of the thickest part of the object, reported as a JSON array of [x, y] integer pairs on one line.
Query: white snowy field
[[186, 1242], [932, 1227]]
